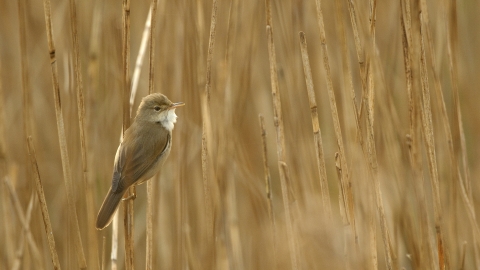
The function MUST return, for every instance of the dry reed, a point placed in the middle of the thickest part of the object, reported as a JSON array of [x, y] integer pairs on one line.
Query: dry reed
[[268, 186], [92, 237], [426, 112], [219, 203], [317, 134], [279, 128], [413, 135], [43, 205], [104, 247], [128, 214], [207, 133], [345, 184], [67, 174], [150, 184]]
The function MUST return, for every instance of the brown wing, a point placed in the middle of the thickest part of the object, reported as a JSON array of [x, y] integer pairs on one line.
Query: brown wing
[[136, 156]]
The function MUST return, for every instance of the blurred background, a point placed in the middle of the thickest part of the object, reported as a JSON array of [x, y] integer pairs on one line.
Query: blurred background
[[224, 223]]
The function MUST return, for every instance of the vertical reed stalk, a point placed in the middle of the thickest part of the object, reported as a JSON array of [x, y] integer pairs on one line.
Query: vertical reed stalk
[[432, 159], [128, 221], [457, 175], [288, 216], [347, 72], [9, 253], [413, 137], [279, 128], [373, 165], [459, 145], [317, 133], [114, 251], [268, 187], [43, 204], [139, 62], [104, 251], [277, 104], [458, 132], [345, 180], [207, 131], [233, 222], [67, 174], [92, 239], [25, 65], [360, 54], [150, 184]]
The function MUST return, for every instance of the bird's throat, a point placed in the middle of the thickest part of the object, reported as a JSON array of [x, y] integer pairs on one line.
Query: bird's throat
[[168, 119]]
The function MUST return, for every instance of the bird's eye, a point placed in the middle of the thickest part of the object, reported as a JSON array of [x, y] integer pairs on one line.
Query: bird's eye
[[157, 108]]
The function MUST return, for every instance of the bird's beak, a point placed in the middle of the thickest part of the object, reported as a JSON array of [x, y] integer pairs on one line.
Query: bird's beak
[[177, 104]]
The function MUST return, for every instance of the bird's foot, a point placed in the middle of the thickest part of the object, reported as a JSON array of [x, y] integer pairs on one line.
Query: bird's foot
[[132, 196]]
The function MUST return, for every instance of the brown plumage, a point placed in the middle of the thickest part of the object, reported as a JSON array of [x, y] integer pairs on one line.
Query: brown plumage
[[145, 146]]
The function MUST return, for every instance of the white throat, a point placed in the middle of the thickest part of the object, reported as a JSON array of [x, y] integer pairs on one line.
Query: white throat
[[168, 118]]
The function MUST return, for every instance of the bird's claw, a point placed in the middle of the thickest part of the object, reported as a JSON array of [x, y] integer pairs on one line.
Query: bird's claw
[[131, 197]]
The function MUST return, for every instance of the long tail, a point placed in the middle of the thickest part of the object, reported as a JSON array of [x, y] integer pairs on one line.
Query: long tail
[[109, 206]]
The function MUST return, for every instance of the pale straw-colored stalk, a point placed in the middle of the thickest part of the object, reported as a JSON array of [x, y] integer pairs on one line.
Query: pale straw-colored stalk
[[413, 138], [91, 232], [207, 131], [67, 173], [268, 187], [151, 183], [128, 215], [43, 204], [317, 133], [280, 135], [345, 184], [431, 155]]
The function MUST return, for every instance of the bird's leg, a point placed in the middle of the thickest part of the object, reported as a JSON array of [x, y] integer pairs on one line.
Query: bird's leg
[[133, 196]]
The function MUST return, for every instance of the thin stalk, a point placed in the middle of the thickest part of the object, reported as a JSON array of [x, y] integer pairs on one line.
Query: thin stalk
[[317, 133], [114, 251], [413, 137], [360, 54], [233, 223], [8, 227], [25, 65], [207, 131], [279, 128], [150, 184], [373, 165], [432, 161], [288, 216], [141, 55], [104, 251], [459, 147], [128, 221], [345, 180], [458, 132], [67, 174], [348, 82], [464, 184], [268, 187], [43, 204], [277, 104], [92, 238]]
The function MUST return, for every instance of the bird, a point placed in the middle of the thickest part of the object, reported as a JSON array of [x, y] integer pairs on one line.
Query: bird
[[145, 146]]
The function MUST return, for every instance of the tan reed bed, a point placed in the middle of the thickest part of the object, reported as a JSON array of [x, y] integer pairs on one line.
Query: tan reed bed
[[386, 159]]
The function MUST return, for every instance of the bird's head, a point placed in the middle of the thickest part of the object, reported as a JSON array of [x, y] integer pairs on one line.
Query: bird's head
[[157, 108]]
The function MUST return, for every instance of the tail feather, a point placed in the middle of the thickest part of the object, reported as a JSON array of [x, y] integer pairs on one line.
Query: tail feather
[[109, 206]]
